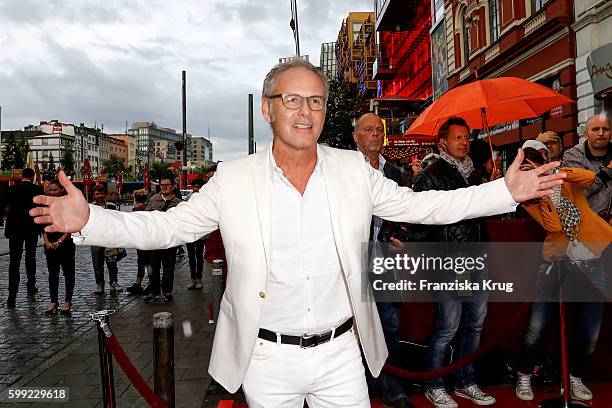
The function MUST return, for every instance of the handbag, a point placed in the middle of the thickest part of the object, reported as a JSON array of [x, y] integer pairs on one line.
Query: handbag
[[114, 254]]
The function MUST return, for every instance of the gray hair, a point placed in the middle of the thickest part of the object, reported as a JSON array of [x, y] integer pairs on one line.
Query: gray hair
[[272, 76]]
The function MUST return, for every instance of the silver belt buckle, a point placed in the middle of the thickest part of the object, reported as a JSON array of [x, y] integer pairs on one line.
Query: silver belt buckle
[[307, 337]]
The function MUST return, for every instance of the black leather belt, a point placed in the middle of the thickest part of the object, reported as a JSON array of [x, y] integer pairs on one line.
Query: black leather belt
[[307, 340]]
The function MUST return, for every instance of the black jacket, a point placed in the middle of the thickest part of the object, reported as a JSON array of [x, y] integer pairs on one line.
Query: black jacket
[[388, 228], [18, 200], [443, 176]]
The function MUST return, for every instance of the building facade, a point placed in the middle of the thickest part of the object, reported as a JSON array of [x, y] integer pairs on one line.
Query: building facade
[[157, 143], [328, 63], [403, 61], [129, 143], [533, 40], [118, 148], [351, 43], [593, 28], [82, 140], [287, 59], [202, 152]]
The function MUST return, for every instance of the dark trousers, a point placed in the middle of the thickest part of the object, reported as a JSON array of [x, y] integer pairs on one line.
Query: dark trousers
[[62, 257], [15, 251], [98, 259], [195, 250], [142, 261], [165, 258], [391, 386], [585, 333]]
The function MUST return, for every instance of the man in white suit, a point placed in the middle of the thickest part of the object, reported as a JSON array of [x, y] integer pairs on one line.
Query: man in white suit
[[293, 219]]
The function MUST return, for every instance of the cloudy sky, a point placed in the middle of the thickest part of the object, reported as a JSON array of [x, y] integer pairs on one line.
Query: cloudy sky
[[112, 61]]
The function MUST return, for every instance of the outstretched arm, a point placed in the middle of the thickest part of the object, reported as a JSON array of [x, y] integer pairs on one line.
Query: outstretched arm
[[446, 207], [143, 230]]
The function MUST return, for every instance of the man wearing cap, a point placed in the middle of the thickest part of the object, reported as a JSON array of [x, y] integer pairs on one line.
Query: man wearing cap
[[539, 146], [553, 142]]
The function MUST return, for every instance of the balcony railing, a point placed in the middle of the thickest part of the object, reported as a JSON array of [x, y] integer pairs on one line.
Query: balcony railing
[[384, 68]]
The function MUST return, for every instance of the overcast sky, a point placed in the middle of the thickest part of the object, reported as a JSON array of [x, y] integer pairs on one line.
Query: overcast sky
[[112, 61]]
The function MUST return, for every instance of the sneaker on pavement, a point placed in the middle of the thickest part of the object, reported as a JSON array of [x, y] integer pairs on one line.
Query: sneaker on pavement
[[116, 287], [168, 297], [99, 289], [199, 284], [580, 391], [135, 289], [192, 284], [152, 298], [523, 388], [440, 398], [475, 394]]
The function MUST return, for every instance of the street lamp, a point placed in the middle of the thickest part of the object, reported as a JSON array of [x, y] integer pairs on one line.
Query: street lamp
[[295, 27]]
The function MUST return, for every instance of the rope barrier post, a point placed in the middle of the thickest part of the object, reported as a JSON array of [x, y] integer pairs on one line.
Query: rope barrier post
[[217, 289], [106, 359], [163, 356]]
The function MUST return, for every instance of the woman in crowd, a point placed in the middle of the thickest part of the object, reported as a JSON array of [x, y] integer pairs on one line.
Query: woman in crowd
[[59, 251], [577, 235]]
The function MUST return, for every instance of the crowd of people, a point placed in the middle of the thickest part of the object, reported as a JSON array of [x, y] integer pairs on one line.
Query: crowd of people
[[60, 250], [293, 325], [577, 221]]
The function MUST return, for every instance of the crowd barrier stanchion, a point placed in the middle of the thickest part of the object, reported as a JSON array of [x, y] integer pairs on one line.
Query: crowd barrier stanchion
[[217, 289], [163, 357], [565, 400], [106, 359]]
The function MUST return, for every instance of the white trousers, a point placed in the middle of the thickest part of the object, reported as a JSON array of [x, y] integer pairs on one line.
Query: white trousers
[[328, 375]]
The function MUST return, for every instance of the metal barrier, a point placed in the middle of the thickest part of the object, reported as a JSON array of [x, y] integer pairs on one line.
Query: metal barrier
[[216, 290], [109, 347]]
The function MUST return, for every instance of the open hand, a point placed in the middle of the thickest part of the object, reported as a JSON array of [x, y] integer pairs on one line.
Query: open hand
[[68, 213], [535, 183]]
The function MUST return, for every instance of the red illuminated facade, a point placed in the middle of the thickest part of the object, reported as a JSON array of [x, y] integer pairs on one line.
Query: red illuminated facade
[[403, 63]]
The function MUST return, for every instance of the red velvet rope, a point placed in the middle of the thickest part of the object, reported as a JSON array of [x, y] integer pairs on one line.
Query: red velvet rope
[[470, 358], [488, 345], [132, 373]]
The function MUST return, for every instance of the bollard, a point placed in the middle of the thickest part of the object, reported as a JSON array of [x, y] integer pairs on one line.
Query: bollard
[[163, 356], [217, 289], [106, 359]]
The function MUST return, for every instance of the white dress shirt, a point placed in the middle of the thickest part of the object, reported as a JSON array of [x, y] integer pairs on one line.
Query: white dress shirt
[[306, 289]]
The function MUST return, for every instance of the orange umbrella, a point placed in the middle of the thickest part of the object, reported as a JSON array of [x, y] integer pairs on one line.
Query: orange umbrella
[[488, 102]]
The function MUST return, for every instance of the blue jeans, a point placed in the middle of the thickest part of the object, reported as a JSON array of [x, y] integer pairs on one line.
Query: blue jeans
[[584, 336], [390, 385], [452, 316], [98, 259]]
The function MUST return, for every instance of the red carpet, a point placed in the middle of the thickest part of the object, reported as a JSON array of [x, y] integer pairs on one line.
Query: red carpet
[[504, 395]]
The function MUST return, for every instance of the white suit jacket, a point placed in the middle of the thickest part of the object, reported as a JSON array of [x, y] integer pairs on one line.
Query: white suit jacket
[[236, 200]]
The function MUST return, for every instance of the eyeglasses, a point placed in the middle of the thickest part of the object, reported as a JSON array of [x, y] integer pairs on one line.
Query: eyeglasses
[[166, 185], [294, 101]]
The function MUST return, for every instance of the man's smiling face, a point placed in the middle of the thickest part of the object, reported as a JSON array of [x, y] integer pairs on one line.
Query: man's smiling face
[[297, 129]]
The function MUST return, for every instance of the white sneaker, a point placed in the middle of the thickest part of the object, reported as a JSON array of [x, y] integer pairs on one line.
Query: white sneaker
[[99, 289], [191, 285], [476, 395], [523, 388], [116, 287], [440, 398], [199, 284], [580, 391]]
